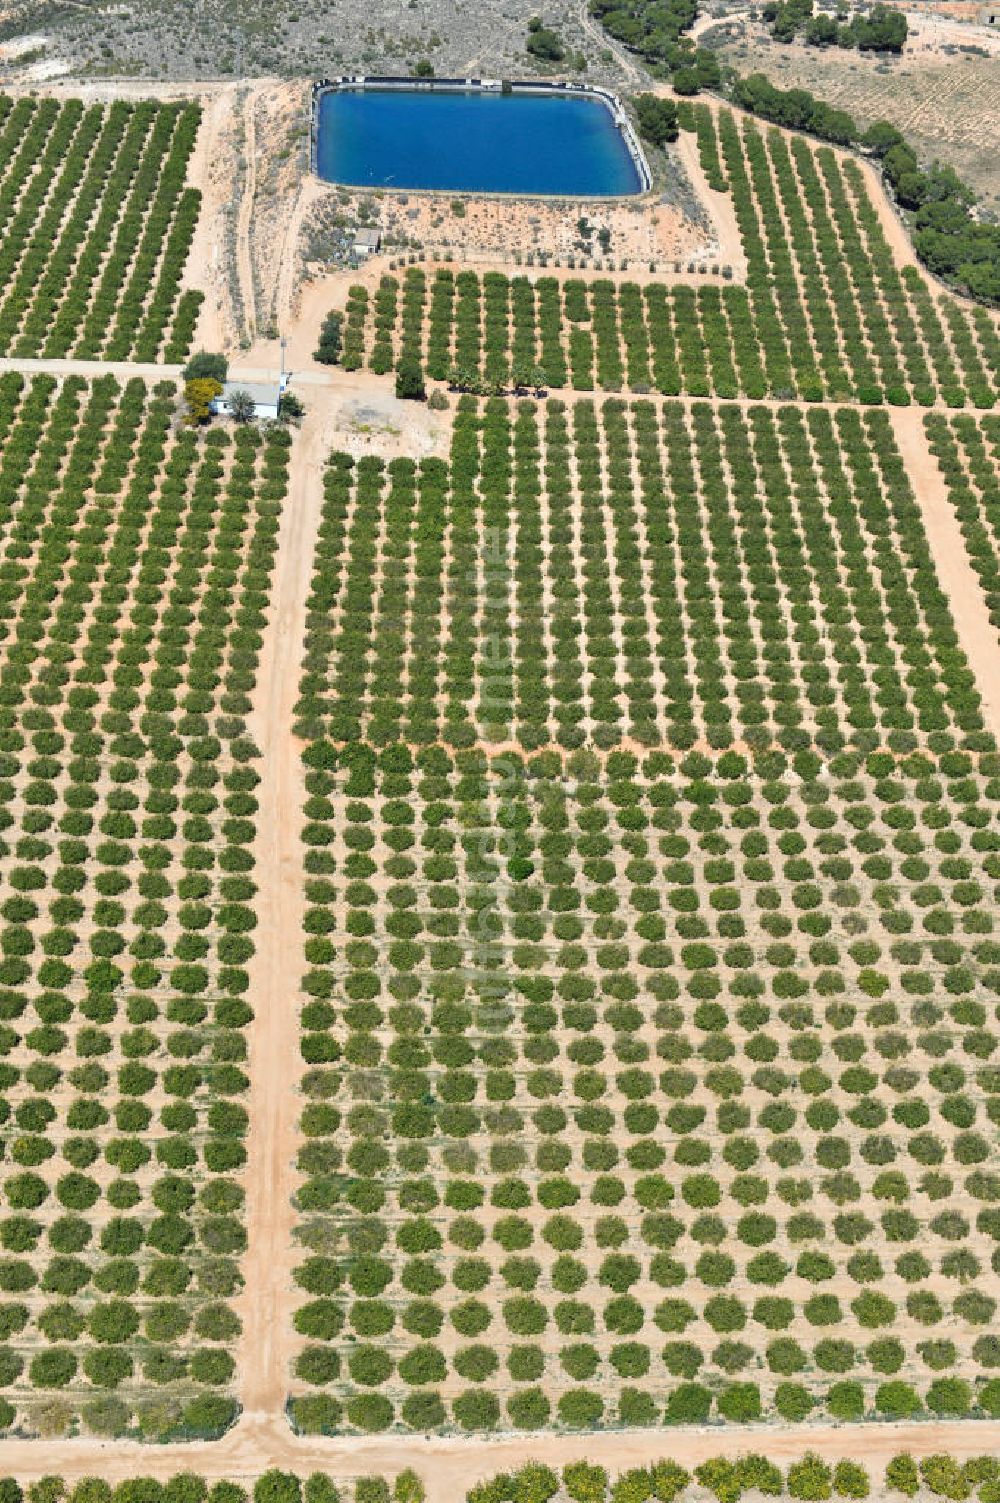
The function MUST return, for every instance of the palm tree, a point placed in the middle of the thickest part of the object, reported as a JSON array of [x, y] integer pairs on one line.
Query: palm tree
[[242, 406]]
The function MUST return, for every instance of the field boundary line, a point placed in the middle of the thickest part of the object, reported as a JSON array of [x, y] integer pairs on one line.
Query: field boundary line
[[123, 370]]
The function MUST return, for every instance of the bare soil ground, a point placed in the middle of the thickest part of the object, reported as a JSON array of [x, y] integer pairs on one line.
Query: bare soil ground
[[358, 418], [647, 233], [206, 267], [250, 165], [719, 206], [244, 218], [450, 1465], [268, 1298]]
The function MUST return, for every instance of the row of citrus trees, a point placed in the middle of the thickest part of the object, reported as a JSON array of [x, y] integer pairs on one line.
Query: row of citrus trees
[[95, 228], [188, 1487], [833, 312], [575, 574], [136, 562], [810, 1478], [825, 314], [499, 333]]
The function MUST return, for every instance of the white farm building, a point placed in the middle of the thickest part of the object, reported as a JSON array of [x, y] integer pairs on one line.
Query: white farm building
[[265, 396]]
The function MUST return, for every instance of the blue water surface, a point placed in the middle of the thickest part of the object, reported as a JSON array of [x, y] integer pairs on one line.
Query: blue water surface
[[472, 142]]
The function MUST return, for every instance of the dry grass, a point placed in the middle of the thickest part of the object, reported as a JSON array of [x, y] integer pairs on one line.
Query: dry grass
[[946, 101]]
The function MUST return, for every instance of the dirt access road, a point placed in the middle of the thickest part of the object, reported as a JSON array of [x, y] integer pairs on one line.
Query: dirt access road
[[451, 1465], [349, 414], [122, 370], [244, 218]]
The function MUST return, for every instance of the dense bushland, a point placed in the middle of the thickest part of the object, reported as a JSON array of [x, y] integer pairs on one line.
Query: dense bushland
[[656, 31]]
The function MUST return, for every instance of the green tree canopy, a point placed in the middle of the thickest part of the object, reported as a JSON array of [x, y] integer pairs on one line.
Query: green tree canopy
[[657, 118]]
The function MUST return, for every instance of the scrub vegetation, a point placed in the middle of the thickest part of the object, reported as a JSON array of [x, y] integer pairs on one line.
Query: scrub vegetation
[[234, 39], [135, 561], [881, 30]]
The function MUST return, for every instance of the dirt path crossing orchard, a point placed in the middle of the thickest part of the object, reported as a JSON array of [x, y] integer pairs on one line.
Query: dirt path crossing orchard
[[451, 1465], [268, 1299]]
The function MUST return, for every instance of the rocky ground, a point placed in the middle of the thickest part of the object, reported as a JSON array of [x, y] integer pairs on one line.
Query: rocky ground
[[178, 39]]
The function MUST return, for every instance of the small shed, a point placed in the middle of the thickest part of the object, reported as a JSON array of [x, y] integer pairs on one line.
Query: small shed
[[367, 243], [264, 394]]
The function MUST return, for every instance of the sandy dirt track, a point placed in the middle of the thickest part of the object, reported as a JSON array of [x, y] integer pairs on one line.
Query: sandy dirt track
[[244, 220], [268, 1297], [122, 370], [260, 364], [450, 1465], [310, 192], [206, 264], [719, 206]]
